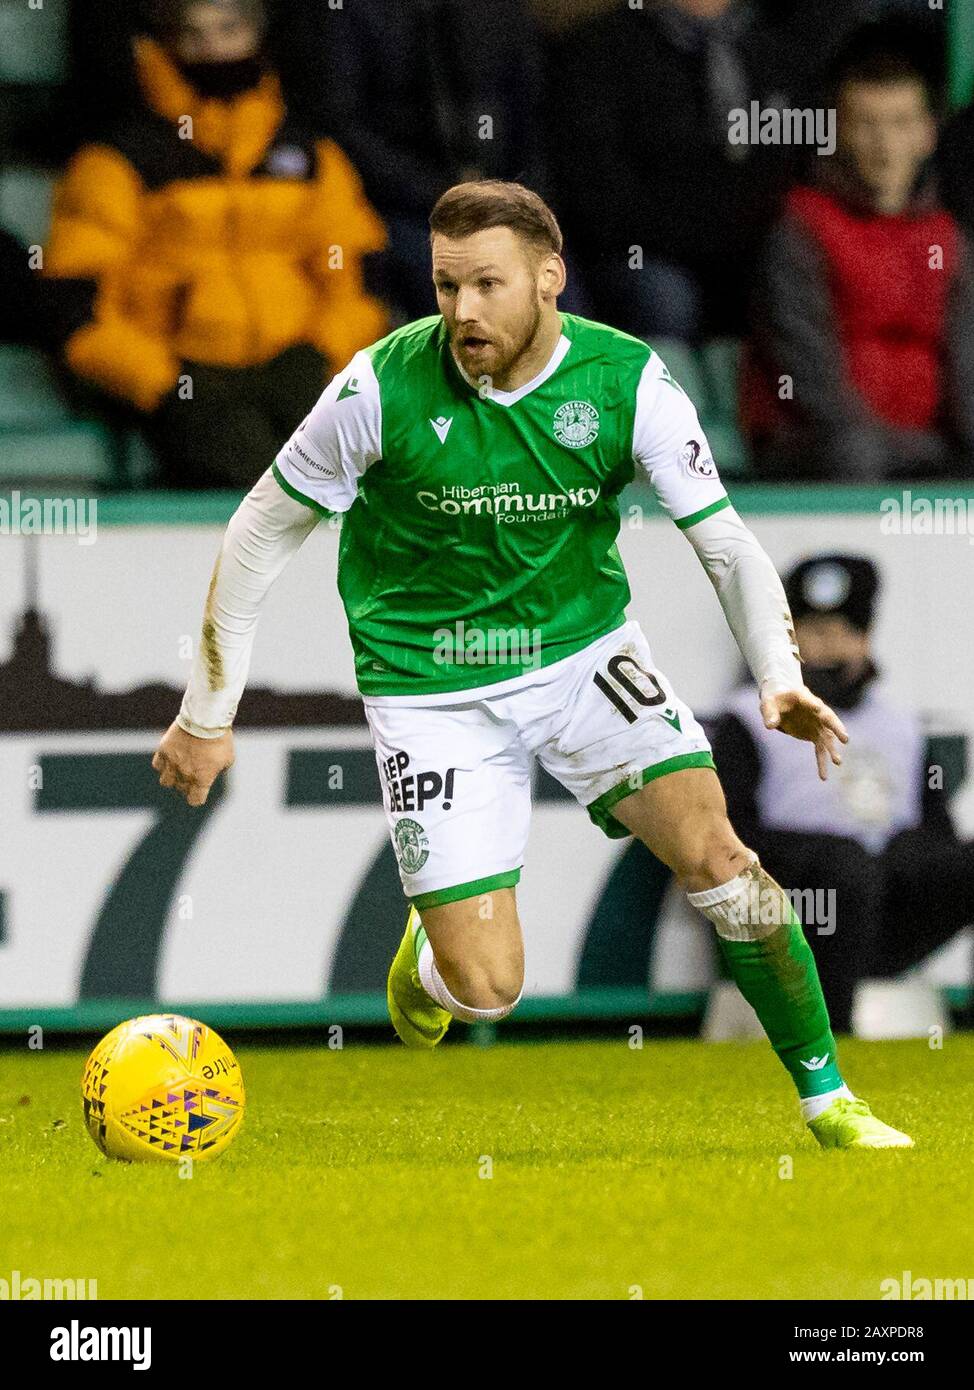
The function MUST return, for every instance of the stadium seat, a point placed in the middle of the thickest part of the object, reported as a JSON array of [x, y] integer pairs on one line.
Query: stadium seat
[[721, 360], [33, 42], [81, 453], [25, 203], [29, 395], [683, 365], [709, 377]]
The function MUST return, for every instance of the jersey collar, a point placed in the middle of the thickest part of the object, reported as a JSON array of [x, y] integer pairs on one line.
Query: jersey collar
[[509, 398]]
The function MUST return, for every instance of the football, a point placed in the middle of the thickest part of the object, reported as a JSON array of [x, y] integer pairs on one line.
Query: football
[[162, 1087]]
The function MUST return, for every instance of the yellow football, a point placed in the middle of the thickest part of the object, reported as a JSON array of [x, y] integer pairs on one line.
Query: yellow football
[[162, 1087]]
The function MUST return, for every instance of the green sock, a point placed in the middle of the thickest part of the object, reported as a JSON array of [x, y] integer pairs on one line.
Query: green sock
[[778, 978]]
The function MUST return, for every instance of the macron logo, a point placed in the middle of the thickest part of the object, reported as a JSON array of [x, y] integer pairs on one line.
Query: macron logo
[[814, 1063], [441, 425]]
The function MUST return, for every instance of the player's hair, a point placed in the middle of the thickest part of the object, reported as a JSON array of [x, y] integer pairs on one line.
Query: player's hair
[[472, 207]]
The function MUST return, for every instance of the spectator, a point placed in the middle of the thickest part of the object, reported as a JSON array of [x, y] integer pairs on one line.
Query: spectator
[[641, 124], [422, 95], [226, 246], [875, 832], [864, 317]]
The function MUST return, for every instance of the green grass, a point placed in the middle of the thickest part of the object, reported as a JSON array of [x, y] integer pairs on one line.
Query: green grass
[[612, 1168]]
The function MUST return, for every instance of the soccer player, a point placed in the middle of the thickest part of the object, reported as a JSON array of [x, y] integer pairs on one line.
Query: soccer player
[[477, 459]]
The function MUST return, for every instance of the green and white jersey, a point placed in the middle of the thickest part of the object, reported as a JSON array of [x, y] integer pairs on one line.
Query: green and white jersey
[[479, 526]]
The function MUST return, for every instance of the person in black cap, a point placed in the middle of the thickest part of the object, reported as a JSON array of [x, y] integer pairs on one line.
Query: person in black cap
[[873, 849]]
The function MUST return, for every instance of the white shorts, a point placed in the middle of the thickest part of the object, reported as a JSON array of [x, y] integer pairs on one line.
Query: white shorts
[[456, 779]]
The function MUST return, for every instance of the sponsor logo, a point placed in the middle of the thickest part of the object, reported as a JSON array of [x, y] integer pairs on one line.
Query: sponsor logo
[[414, 791], [325, 469], [693, 463], [506, 503], [576, 424], [441, 427], [412, 846]]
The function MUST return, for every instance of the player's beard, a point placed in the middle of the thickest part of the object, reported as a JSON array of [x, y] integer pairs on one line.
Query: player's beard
[[527, 342], [523, 342]]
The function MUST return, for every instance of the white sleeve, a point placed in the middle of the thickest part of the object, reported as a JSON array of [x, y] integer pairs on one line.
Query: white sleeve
[[264, 533], [671, 450], [752, 597], [330, 450]]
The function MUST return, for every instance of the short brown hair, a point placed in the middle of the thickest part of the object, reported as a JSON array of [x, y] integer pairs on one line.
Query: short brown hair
[[472, 207]]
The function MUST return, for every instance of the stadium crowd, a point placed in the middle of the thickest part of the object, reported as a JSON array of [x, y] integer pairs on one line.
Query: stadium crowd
[[243, 185]]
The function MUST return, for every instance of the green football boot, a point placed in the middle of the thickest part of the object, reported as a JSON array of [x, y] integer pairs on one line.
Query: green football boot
[[850, 1124], [419, 1020]]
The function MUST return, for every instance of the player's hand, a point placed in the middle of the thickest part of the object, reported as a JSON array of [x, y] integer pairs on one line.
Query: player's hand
[[803, 715], [192, 764]]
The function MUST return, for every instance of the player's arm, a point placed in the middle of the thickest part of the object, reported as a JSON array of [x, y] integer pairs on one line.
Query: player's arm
[[316, 473], [670, 447]]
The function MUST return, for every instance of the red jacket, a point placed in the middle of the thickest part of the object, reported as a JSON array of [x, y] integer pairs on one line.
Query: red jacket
[[855, 307]]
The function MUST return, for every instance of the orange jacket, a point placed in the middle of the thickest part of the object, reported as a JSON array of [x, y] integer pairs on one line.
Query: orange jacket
[[216, 234]]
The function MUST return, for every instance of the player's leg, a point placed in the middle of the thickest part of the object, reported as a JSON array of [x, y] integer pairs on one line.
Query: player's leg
[[475, 965], [682, 818], [457, 793], [634, 754], [460, 960]]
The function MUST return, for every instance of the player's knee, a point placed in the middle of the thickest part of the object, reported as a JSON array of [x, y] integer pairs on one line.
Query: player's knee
[[712, 856], [492, 986]]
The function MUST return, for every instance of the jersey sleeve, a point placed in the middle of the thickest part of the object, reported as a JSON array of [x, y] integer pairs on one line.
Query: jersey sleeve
[[330, 450], [671, 450]]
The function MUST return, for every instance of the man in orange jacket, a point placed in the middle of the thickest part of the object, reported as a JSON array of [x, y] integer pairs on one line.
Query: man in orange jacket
[[226, 246]]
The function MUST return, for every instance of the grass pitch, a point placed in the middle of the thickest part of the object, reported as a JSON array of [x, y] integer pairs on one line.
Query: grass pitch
[[364, 1174]]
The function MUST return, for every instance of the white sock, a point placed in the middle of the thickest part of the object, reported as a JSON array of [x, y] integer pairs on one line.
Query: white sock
[[435, 986], [430, 978], [812, 1106]]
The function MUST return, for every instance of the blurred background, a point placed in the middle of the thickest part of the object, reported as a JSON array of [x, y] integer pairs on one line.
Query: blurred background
[[206, 206]]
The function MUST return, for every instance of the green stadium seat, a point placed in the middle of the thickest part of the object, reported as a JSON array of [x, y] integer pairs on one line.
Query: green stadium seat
[[80, 453], [139, 463], [29, 394], [709, 377], [720, 363], [721, 359], [25, 203], [683, 365], [33, 42]]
